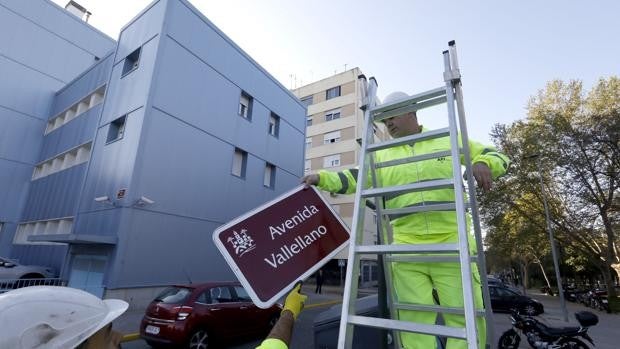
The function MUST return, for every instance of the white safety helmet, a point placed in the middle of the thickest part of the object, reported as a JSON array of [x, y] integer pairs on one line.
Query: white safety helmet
[[53, 317], [395, 96]]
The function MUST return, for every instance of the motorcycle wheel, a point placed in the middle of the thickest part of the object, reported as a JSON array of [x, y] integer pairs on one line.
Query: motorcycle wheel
[[573, 343], [509, 340]]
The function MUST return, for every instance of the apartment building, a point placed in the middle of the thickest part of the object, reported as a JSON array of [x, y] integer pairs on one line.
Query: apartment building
[[334, 127]]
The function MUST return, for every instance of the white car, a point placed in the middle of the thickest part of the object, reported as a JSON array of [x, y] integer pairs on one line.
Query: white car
[[10, 269]]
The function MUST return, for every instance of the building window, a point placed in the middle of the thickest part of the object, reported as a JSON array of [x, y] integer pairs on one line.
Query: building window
[[63, 161], [116, 129], [76, 110], [307, 101], [245, 106], [308, 121], [331, 161], [270, 176], [240, 159], [131, 62], [332, 92], [307, 166], [332, 115], [331, 137], [42, 227], [274, 124], [308, 142]]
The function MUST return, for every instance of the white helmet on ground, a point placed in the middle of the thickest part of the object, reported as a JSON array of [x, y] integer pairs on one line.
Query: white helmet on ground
[[395, 96], [53, 317]]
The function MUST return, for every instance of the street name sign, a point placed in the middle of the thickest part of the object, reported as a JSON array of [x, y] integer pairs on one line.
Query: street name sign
[[281, 242]]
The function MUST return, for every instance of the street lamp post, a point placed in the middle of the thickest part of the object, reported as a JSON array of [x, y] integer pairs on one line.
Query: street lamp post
[[551, 239]]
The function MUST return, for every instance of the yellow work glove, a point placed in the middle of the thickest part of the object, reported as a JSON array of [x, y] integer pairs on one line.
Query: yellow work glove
[[295, 301]]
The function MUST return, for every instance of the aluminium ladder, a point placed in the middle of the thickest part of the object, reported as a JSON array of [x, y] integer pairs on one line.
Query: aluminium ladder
[[450, 94]]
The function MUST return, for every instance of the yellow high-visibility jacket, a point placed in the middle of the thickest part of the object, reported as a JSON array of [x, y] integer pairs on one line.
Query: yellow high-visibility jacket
[[272, 343], [433, 222]]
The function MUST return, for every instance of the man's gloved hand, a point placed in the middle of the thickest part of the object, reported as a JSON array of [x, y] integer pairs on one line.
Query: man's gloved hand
[[295, 301], [311, 179]]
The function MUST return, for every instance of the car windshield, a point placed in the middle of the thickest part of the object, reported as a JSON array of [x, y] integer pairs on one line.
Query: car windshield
[[173, 295]]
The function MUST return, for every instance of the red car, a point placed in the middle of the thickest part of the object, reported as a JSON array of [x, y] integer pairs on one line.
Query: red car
[[196, 316]]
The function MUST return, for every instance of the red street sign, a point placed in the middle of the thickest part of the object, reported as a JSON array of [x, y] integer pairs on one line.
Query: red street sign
[[281, 242]]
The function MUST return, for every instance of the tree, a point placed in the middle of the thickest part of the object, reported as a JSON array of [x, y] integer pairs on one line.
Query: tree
[[578, 138]]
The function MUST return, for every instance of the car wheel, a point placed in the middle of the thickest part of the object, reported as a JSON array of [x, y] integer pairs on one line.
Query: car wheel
[[529, 309], [199, 340], [509, 340]]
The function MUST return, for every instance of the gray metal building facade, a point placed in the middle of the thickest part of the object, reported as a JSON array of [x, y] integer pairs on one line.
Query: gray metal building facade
[[173, 129]]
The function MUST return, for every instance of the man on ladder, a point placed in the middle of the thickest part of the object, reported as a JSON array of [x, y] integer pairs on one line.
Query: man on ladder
[[414, 282]]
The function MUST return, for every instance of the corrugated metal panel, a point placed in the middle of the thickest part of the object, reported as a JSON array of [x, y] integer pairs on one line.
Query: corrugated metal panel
[[14, 181], [20, 136], [92, 79], [44, 255], [54, 196], [54, 41], [78, 131], [229, 60]]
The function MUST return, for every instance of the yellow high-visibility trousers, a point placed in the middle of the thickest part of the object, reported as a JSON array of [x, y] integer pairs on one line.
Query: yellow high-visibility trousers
[[414, 283]]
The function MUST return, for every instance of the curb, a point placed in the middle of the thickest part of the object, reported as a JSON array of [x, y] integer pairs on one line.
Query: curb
[[130, 337], [135, 336], [316, 305]]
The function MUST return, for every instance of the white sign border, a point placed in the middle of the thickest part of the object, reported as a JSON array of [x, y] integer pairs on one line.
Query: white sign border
[[231, 262]]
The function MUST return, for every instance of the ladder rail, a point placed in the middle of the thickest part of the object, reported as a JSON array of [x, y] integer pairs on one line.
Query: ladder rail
[[466, 273], [471, 188], [346, 330]]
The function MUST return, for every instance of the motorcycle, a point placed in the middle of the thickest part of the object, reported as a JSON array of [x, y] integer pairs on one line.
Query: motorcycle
[[541, 336]]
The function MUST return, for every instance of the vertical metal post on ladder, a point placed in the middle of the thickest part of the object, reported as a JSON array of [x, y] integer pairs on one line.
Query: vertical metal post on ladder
[[345, 337], [471, 189], [450, 76]]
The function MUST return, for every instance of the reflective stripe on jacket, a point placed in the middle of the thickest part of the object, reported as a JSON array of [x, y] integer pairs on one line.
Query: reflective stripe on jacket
[[435, 222]]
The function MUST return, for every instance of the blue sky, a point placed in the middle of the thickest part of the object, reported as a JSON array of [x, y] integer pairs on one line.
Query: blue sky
[[508, 50]]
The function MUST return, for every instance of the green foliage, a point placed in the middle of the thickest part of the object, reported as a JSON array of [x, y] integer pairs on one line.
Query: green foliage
[[576, 136]]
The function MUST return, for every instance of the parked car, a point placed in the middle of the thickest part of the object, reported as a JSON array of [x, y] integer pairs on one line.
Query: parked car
[[493, 281], [199, 315], [10, 269], [503, 299]]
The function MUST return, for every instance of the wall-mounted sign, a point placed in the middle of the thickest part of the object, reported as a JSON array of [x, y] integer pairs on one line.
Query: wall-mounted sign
[[283, 241]]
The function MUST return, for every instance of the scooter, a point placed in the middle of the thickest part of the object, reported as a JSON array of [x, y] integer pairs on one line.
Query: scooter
[[541, 336]]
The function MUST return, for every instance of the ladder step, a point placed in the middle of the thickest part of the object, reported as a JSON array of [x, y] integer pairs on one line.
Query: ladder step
[[437, 330], [416, 158], [406, 248], [418, 137], [430, 259], [420, 97], [435, 308], [410, 108], [406, 188]]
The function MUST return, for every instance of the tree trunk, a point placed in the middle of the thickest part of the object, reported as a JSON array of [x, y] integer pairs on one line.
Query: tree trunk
[[609, 280], [544, 274], [611, 256]]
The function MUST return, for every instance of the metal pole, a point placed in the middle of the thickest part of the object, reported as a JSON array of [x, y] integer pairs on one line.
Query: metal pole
[[552, 240]]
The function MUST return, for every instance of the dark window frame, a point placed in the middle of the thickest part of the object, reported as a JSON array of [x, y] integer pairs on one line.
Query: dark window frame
[[116, 129], [248, 108], [131, 62], [333, 92], [276, 125], [244, 163]]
